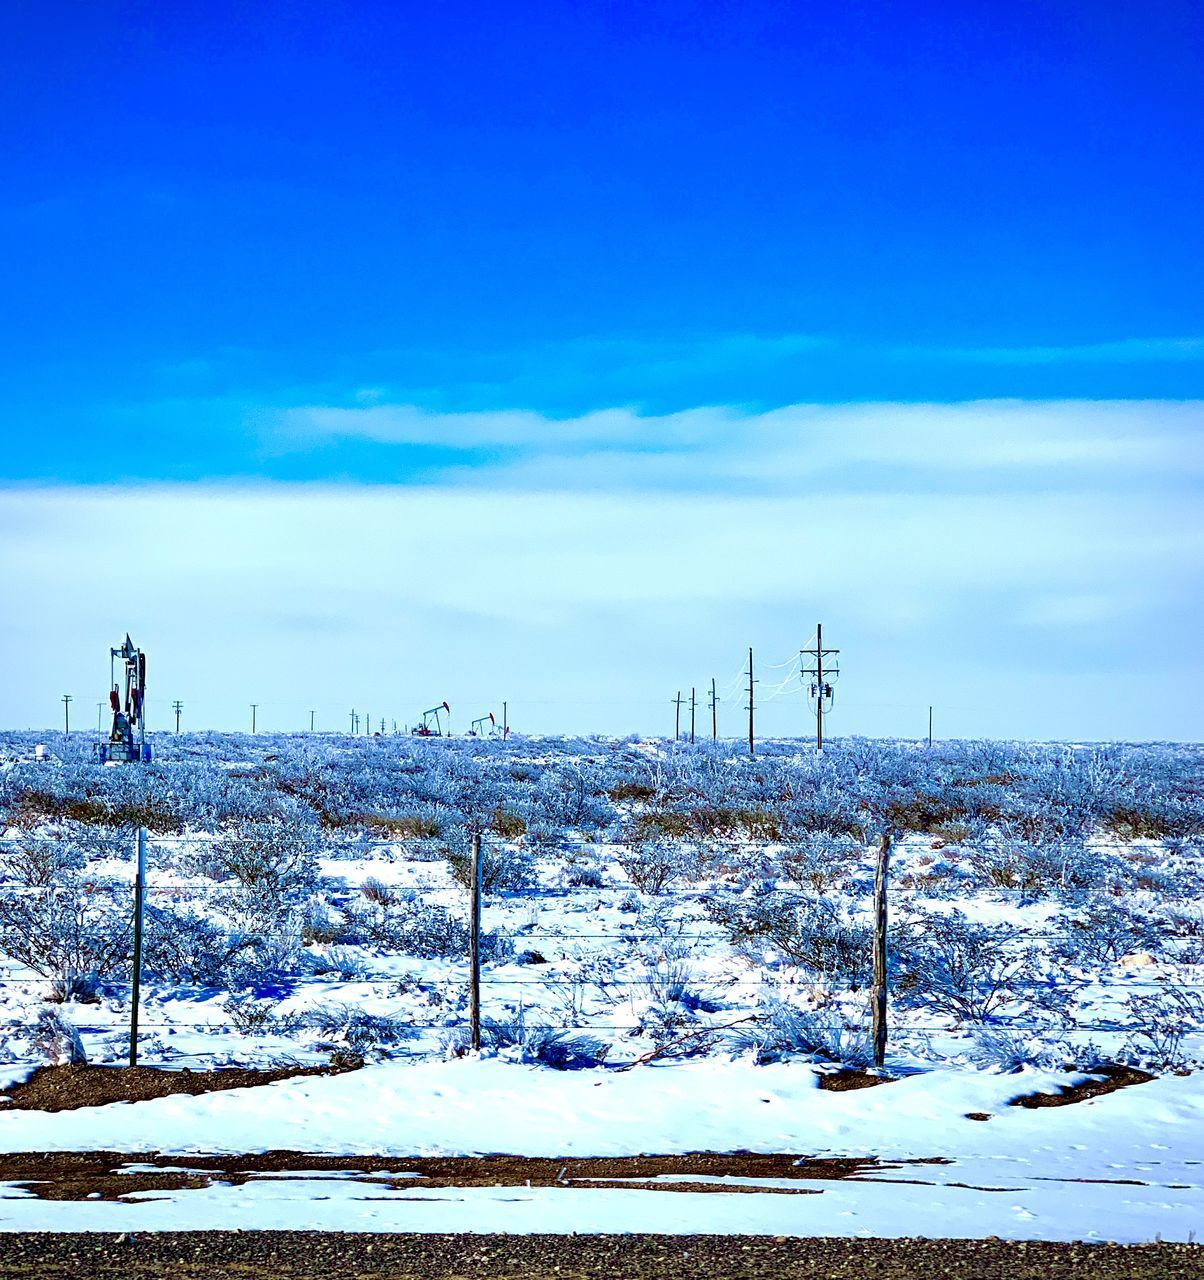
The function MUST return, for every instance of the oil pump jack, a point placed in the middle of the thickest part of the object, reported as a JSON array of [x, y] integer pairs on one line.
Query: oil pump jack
[[478, 729], [432, 722], [127, 700]]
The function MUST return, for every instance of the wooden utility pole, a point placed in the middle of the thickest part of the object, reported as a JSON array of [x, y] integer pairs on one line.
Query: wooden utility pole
[[714, 712], [177, 707], [139, 881], [254, 708], [692, 704], [930, 728], [821, 686], [474, 942], [66, 715], [353, 723], [505, 721], [879, 989], [677, 717], [99, 712], [311, 722], [752, 750]]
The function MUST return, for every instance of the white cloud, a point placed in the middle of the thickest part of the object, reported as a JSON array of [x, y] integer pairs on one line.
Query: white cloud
[[967, 443]]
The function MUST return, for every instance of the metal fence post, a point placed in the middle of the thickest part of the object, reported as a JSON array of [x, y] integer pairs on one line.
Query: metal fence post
[[474, 942], [879, 993], [139, 881]]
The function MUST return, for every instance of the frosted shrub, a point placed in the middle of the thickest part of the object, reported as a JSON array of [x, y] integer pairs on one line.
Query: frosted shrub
[[821, 861], [1103, 933], [503, 869], [42, 856], [653, 865], [1004, 1049], [181, 947], [784, 1030], [812, 934], [250, 1017], [73, 933], [958, 967], [276, 857], [425, 930], [343, 1025], [1158, 1023], [57, 1040]]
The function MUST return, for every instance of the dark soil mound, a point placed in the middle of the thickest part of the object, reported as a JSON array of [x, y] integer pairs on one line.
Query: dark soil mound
[[851, 1078], [1113, 1078], [70, 1087]]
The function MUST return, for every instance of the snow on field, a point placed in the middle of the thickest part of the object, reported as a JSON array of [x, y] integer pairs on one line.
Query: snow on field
[[306, 897], [1126, 1166]]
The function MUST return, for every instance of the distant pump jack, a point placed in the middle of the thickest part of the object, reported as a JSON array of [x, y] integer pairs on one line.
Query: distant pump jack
[[127, 742]]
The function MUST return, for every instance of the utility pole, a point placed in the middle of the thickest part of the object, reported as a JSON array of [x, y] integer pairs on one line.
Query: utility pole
[[930, 728], [311, 722], [177, 707], [879, 989], [505, 722], [254, 709], [352, 723], [752, 750], [67, 715], [692, 717], [474, 943], [677, 717], [99, 713], [714, 712], [821, 689]]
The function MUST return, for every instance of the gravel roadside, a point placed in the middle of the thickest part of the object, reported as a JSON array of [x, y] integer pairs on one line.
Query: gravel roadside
[[294, 1255]]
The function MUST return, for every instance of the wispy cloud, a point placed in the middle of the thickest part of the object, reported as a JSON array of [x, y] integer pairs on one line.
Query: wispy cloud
[[896, 446], [1124, 351]]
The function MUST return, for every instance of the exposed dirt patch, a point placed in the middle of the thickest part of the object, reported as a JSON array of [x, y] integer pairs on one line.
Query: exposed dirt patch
[[978, 1115], [69, 1087], [851, 1078], [1106, 1080], [109, 1175]]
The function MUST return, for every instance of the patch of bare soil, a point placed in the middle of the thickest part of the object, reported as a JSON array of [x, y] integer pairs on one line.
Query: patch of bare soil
[[109, 1175], [845, 1078], [1105, 1080], [67, 1088]]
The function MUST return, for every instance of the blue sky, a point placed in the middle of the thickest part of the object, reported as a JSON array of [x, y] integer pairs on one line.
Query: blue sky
[[855, 280]]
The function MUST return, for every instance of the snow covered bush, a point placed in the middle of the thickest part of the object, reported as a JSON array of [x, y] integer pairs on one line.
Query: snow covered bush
[[185, 948], [340, 1025], [74, 933], [1103, 932], [535, 1039], [814, 934], [1159, 1021], [783, 1030], [959, 967], [57, 1040], [653, 865], [273, 856], [504, 868]]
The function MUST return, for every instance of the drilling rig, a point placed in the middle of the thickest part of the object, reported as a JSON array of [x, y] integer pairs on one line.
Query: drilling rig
[[127, 742]]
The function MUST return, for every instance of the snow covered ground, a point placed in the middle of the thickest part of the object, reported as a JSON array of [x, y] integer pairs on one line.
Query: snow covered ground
[[710, 909], [1128, 1166]]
